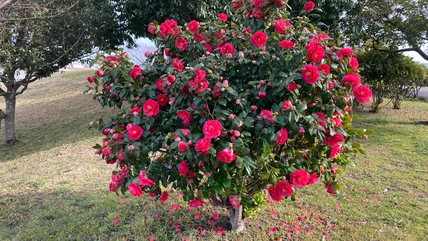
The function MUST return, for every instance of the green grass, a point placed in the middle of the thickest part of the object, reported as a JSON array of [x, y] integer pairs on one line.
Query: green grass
[[53, 187]]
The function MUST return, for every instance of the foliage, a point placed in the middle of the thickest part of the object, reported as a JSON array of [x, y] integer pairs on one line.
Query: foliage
[[391, 74], [388, 25], [228, 107]]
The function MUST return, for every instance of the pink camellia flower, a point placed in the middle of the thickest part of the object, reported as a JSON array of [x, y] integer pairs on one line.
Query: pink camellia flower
[[346, 52], [227, 49], [226, 155], [162, 99], [351, 79], [136, 70], [106, 151], [292, 86], [258, 39], [184, 115], [234, 202], [282, 26], [135, 190], [301, 130], [310, 74], [285, 44], [150, 108], [284, 189], [212, 128], [177, 65], [182, 146], [299, 178], [195, 203], [313, 178], [100, 73], [265, 114], [322, 120], [159, 84], [171, 78], [274, 194], [315, 53], [287, 105], [183, 168], [91, 79], [135, 111], [282, 136], [362, 94], [181, 44], [236, 4], [164, 196], [309, 6], [330, 189], [203, 144], [193, 26], [334, 140], [144, 181], [222, 16], [353, 63], [135, 133], [324, 68], [151, 28], [334, 150], [112, 59]]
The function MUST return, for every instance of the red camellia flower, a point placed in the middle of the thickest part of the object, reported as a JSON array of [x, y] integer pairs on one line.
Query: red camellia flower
[[234, 202], [195, 203], [322, 120], [291, 86], [165, 29], [100, 73], [177, 65], [315, 53], [258, 39], [134, 111], [324, 68], [309, 6], [284, 189], [227, 49], [353, 63], [91, 79], [222, 16], [184, 115], [265, 114], [181, 44], [334, 140], [162, 99], [151, 28], [282, 136], [330, 189], [212, 128], [352, 79], [299, 178], [282, 26], [135, 71], [144, 181], [193, 26], [164, 196], [236, 4], [150, 108], [310, 74], [135, 190], [183, 168], [226, 155], [334, 150], [346, 52], [362, 94], [182, 146], [273, 192], [106, 151], [112, 59], [285, 44], [313, 178], [135, 133], [203, 144]]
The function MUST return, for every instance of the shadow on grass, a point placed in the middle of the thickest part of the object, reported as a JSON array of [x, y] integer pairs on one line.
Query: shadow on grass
[[43, 126]]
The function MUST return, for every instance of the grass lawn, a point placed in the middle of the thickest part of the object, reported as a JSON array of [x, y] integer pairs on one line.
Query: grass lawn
[[53, 187]]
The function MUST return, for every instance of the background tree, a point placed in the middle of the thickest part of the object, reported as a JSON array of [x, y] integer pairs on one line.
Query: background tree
[[38, 38], [393, 26]]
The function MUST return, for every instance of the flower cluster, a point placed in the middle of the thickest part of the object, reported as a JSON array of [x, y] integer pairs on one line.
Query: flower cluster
[[228, 108]]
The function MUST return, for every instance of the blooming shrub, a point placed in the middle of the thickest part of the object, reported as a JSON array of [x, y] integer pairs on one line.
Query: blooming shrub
[[226, 109]]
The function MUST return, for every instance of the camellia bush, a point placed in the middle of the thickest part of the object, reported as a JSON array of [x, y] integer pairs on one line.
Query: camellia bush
[[227, 109]]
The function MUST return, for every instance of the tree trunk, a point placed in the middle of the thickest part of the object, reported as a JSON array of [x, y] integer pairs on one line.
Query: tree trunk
[[9, 121], [236, 220]]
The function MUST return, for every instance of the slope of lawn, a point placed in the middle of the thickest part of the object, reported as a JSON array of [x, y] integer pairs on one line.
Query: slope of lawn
[[53, 187]]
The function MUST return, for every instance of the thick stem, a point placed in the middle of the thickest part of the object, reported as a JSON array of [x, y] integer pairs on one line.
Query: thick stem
[[236, 220], [9, 121]]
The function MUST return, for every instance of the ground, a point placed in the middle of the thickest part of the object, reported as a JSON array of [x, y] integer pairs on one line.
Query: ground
[[53, 187]]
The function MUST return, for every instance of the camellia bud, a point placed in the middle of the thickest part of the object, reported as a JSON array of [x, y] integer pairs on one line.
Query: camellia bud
[[365, 137], [225, 83], [171, 78], [238, 102], [236, 133], [131, 147], [231, 116], [232, 139], [262, 94], [241, 54], [254, 62], [301, 130], [262, 82], [147, 54], [253, 107]]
